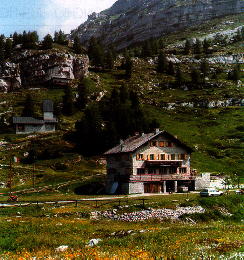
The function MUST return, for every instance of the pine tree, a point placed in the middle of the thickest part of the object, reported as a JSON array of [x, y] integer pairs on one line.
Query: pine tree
[[198, 47], [47, 42], [128, 66], [90, 133], [187, 48], [60, 37], [162, 63], [179, 76], [195, 76], [110, 60], [8, 48], [15, 39], [68, 104], [147, 49], [28, 110], [206, 46], [77, 45], [171, 69], [82, 99], [2, 48], [204, 68], [235, 74]]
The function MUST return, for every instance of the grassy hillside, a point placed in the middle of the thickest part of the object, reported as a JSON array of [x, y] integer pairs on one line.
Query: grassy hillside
[[215, 134]]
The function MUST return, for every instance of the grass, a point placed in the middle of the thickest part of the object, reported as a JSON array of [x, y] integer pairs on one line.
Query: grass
[[36, 232]]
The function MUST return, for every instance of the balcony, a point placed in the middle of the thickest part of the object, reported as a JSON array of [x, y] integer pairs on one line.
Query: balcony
[[161, 163], [160, 177]]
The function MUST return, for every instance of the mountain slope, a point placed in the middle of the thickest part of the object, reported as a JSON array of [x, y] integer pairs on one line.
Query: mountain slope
[[131, 21]]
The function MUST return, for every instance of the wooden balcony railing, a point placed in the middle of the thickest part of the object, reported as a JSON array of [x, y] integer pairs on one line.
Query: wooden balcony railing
[[160, 177]]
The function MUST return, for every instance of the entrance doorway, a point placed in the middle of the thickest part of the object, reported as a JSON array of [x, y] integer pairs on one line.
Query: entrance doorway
[[152, 188]]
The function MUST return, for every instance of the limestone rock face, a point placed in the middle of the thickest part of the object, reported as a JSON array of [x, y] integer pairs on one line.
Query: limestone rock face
[[9, 77], [39, 68], [130, 21]]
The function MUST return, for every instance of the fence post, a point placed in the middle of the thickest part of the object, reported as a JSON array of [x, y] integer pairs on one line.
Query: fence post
[[119, 202], [143, 203], [76, 203], [96, 203]]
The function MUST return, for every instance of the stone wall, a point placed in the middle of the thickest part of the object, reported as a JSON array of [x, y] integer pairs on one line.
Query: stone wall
[[202, 181], [28, 129]]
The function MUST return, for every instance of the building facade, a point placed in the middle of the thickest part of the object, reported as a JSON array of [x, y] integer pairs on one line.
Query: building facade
[[149, 163], [28, 125]]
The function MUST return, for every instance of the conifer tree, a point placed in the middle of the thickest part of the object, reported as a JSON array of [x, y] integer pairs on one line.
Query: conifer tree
[[147, 49], [68, 104], [82, 99], [235, 74], [28, 110], [198, 47], [204, 68], [60, 37], [110, 60], [206, 46], [128, 66], [171, 68], [77, 45], [162, 63], [2, 48], [8, 48], [179, 76], [187, 48], [47, 42], [195, 76]]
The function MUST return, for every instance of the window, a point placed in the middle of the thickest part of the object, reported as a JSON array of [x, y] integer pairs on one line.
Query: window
[[172, 156], [154, 143], [152, 157], [183, 156], [140, 171], [162, 157], [161, 144], [172, 170], [152, 171], [140, 156], [170, 144], [163, 170], [183, 170]]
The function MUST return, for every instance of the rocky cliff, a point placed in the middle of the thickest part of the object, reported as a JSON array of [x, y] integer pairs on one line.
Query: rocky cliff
[[131, 21], [39, 68]]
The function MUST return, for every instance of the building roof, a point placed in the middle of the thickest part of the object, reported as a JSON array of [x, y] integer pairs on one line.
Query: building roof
[[133, 143], [27, 120], [47, 105], [32, 121]]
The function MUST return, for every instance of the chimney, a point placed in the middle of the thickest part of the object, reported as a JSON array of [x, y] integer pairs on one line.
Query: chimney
[[157, 130], [121, 145]]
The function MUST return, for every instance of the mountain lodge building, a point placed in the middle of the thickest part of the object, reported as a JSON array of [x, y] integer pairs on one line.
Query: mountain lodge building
[[149, 163]]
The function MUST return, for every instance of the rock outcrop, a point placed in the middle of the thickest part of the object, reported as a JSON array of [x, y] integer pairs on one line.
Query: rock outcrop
[[131, 21], [40, 68], [9, 77]]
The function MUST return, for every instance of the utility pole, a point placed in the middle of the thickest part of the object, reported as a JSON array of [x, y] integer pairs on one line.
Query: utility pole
[[33, 176], [10, 176]]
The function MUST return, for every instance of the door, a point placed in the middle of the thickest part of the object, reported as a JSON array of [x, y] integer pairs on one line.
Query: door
[[151, 188]]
